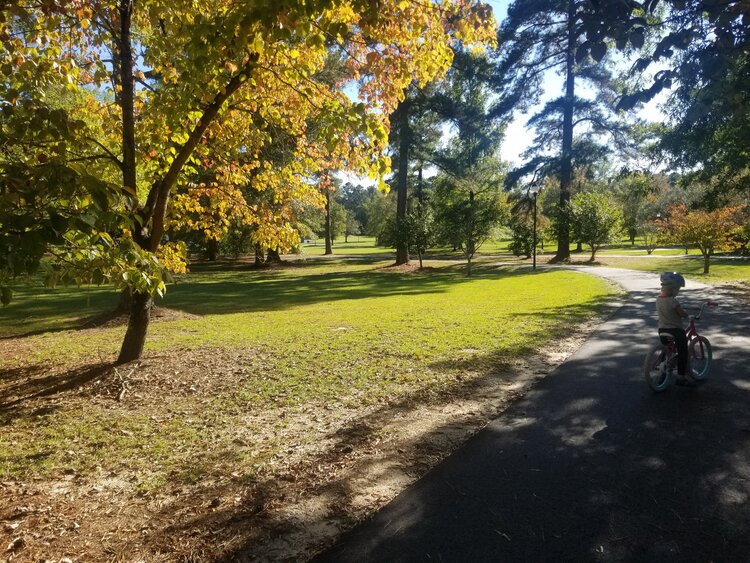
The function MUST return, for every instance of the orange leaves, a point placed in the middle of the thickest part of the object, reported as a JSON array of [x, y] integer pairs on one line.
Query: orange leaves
[[408, 40], [708, 230], [210, 208], [286, 120]]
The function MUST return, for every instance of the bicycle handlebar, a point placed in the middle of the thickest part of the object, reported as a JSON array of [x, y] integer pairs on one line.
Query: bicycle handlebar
[[709, 303]]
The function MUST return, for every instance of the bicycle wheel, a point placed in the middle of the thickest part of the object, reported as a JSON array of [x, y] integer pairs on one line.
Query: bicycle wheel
[[700, 357], [656, 368]]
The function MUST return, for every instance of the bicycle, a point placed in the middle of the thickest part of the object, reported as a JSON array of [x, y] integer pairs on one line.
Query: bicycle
[[661, 361]]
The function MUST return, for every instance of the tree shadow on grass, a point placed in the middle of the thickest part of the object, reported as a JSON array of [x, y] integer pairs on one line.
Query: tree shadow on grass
[[24, 385], [237, 291], [273, 293]]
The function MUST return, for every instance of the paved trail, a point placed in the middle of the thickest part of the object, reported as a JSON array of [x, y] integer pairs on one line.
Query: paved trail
[[590, 465]]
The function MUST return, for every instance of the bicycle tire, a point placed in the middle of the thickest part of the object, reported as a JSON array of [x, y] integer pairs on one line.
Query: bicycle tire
[[656, 370], [701, 357]]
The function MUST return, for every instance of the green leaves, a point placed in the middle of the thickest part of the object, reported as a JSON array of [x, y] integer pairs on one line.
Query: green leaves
[[595, 219], [598, 51]]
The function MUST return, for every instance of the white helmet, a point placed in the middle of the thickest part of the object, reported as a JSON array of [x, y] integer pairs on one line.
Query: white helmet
[[672, 279]]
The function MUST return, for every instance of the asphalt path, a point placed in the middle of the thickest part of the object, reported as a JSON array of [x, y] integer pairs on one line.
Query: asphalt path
[[591, 465]]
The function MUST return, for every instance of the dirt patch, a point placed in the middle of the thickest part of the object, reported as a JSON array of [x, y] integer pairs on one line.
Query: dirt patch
[[331, 464], [406, 268], [111, 319]]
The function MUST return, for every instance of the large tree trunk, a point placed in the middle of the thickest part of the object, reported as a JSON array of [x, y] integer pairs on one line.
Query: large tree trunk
[[137, 306], [566, 163], [706, 258], [329, 246], [402, 249], [273, 256], [135, 336]]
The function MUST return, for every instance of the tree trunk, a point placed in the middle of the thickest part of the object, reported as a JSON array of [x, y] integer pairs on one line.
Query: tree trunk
[[123, 62], [260, 260], [154, 210], [273, 256], [402, 248], [135, 336], [566, 159], [632, 237], [706, 258], [329, 248], [420, 186], [138, 306], [212, 249], [470, 245], [593, 255], [419, 253], [579, 246]]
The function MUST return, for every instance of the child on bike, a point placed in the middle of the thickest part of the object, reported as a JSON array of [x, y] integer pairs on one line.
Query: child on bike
[[671, 314]]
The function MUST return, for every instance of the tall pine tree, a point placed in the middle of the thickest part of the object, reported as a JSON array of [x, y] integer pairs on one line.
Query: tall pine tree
[[551, 35]]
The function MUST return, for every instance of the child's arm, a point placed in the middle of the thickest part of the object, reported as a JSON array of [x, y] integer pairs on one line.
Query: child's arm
[[680, 311]]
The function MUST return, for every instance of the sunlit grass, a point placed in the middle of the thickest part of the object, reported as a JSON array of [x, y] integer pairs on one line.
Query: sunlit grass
[[356, 245], [350, 333]]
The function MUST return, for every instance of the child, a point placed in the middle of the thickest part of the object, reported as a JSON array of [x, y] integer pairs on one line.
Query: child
[[671, 314]]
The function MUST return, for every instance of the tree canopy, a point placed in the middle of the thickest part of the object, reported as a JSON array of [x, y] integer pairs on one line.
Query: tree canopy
[[163, 90]]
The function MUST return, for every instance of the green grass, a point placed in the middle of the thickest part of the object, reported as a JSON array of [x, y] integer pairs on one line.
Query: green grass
[[323, 332], [35, 308], [356, 245]]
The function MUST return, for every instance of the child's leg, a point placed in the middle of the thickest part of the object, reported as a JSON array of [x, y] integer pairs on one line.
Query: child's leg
[[682, 352], [680, 340]]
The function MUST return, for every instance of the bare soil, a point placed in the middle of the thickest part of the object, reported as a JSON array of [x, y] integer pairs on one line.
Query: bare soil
[[339, 464]]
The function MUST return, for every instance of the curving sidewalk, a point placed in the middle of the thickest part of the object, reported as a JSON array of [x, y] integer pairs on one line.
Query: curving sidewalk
[[590, 465]]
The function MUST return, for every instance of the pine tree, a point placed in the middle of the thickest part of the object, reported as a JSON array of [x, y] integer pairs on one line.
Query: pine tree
[[543, 35]]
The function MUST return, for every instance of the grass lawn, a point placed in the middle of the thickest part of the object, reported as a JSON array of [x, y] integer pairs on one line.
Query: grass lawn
[[356, 245], [234, 382], [220, 384]]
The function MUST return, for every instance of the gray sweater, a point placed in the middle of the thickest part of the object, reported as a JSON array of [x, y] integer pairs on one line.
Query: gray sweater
[[669, 312]]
